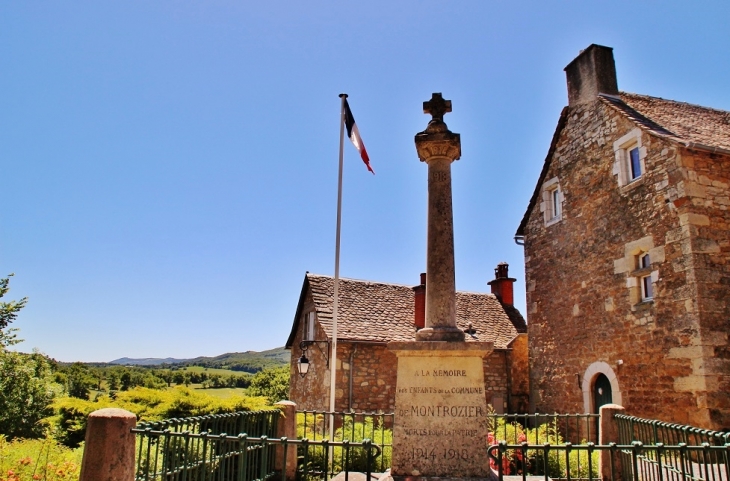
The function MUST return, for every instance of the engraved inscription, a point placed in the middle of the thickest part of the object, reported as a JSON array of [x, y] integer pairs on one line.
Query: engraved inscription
[[438, 177], [441, 417]]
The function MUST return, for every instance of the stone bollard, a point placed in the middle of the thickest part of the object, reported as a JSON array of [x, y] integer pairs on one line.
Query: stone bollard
[[609, 434], [287, 427], [109, 446]]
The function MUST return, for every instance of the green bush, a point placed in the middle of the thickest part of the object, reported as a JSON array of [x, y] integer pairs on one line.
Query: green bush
[[26, 389], [534, 461], [353, 431], [38, 459], [69, 420]]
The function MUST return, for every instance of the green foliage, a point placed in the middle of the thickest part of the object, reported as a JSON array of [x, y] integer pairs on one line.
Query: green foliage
[[26, 390], [38, 459], [353, 431], [8, 313], [536, 461], [79, 381], [357, 432], [271, 383], [69, 420]]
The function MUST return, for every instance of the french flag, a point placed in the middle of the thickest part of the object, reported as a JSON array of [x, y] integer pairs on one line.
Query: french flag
[[354, 134]]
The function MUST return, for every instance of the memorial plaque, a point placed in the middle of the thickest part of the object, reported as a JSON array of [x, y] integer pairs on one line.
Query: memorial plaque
[[440, 410]]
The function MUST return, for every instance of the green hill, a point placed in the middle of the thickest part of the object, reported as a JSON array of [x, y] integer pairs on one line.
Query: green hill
[[249, 361]]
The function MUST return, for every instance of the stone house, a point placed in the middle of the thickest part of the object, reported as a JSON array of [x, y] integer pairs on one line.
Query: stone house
[[627, 255], [371, 314]]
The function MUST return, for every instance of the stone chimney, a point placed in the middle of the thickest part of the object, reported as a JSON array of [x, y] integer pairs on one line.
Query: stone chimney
[[502, 285], [419, 293], [592, 72]]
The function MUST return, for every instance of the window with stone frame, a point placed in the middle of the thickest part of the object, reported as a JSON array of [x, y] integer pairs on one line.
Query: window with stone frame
[[645, 280], [640, 264], [552, 202], [308, 334], [629, 164]]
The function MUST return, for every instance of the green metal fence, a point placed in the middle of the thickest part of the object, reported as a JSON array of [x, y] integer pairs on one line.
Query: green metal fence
[[184, 456], [199, 447], [631, 462], [695, 458], [650, 431]]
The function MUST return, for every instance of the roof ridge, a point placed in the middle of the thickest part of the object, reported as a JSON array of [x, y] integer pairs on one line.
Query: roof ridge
[[637, 117], [682, 102], [361, 280]]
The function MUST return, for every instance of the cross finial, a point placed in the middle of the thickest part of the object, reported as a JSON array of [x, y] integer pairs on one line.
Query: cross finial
[[437, 106]]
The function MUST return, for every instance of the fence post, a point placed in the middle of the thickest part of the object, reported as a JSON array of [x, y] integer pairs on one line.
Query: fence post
[[109, 446], [287, 427], [608, 433]]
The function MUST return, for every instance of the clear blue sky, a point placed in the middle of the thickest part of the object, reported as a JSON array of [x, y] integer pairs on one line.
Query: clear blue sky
[[169, 168]]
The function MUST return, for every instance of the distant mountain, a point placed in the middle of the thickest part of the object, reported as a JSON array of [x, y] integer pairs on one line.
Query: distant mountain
[[146, 361], [249, 361]]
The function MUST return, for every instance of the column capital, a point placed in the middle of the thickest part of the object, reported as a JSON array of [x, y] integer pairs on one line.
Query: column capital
[[437, 141]]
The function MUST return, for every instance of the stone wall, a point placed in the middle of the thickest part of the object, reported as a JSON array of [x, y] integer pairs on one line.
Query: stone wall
[[705, 226], [310, 392], [667, 358], [373, 368], [519, 375]]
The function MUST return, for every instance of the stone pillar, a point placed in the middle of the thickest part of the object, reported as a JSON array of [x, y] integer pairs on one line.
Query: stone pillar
[[439, 147], [608, 433], [109, 446], [287, 428]]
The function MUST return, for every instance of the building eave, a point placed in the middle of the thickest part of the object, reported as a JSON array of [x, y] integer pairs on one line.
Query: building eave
[[545, 167], [298, 314]]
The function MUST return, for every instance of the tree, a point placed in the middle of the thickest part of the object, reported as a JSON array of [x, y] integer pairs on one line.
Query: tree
[[79, 381], [26, 380], [26, 390], [272, 383], [8, 313]]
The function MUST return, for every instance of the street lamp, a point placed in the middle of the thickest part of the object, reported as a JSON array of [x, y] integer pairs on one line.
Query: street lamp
[[303, 365]]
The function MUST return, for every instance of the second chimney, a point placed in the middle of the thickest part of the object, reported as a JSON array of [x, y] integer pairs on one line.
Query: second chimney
[[592, 72], [502, 285], [419, 294]]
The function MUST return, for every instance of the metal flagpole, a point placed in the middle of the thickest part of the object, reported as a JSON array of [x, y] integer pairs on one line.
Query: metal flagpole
[[333, 356]]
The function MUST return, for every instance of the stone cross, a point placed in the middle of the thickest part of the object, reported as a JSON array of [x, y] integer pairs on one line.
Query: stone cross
[[439, 147], [437, 106]]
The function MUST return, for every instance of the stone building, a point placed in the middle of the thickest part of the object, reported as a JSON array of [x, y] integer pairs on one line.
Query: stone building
[[371, 314], [627, 255]]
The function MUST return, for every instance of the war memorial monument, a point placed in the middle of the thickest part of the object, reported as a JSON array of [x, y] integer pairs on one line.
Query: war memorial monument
[[441, 425]]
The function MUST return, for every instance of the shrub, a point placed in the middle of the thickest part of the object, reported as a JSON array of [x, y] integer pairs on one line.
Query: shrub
[[69, 421], [38, 459], [535, 461], [26, 389], [354, 431]]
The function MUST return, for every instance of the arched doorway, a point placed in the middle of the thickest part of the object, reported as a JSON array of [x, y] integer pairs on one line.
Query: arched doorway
[[601, 392], [600, 386], [601, 395]]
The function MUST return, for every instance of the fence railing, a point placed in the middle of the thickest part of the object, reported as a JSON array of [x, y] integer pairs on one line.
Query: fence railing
[[350, 426], [544, 428], [650, 431], [632, 462], [185, 456], [191, 448]]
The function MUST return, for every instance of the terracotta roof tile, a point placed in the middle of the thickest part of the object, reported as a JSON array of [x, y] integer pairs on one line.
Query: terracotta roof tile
[[382, 312]]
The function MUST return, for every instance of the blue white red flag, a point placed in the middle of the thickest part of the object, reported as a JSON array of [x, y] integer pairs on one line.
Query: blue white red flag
[[354, 134]]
